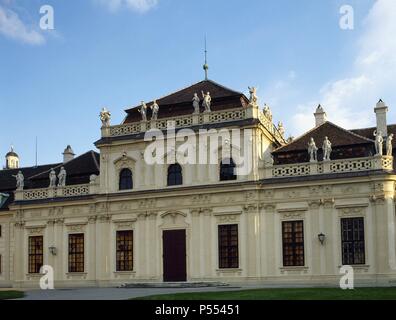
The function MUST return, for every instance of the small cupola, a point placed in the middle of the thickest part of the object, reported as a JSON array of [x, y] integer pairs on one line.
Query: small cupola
[[12, 159], [320, 116], [68, 154]]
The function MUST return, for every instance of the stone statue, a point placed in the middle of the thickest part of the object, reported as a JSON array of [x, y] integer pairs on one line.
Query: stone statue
[[143, 111], [52, 178], [207, 100], [20, 180], [281, 128], [312, 150], [389, 146], [154, 108], [379, 141], [105, 117], [267, 112], [269, 160], [326, 149], [253, 96], [196, 101], [62, 177]]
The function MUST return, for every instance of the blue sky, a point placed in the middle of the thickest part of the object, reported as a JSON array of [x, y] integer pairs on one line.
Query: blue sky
[[115, 53]]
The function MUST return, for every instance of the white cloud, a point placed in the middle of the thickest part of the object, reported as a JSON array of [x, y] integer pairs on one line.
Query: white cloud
[[349, 101], [13, 27], [140, 6]]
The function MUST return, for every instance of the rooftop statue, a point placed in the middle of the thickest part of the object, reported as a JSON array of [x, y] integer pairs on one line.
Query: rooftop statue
[[105, 117], [267, 112], [207, 100], [196, 101], [379, 141], [312, 150], [389, 146], [281, 128], [52, 178], [143, 111], [253, 96], [154, 109], [20, 180], [326, 149], [62, 177]]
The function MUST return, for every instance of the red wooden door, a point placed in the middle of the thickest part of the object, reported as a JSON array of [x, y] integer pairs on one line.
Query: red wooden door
[[174, 255]]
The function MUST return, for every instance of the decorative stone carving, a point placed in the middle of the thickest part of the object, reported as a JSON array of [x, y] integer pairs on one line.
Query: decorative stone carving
[[201, 199], [379, 141], [267, 112], [147, 203], [253, 96], [389, 146], [312, 150], [36, 231], [207, 101], [250, 207], [292, 214], [52, 178], [124, 162], [281, 128], [351, 211], [20, 180], [196, 101], [269, 160], [105, 117], [155, 109], [143, 111], [326, 149], [62, 177], [229, 218], [92, 219], [92, 178]]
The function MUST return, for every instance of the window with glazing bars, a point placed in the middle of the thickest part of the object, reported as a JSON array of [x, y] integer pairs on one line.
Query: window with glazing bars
[[35, 254], [124, 251], [352, 241], [76, 252], [293, 243], [228, 246]]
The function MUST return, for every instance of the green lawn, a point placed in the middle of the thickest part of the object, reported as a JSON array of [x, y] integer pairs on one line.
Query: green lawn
[[4, 295], [285, 294]]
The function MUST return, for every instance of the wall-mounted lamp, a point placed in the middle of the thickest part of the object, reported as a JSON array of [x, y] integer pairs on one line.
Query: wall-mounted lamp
[[53, 250], [321, 238]]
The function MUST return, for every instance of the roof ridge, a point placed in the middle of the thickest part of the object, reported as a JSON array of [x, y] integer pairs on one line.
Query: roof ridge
[[353, 133], [31, 167], [185, 88]]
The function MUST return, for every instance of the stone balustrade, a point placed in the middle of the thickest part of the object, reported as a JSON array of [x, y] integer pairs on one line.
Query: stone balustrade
[[224, 116], [329, 167], [56, 192]]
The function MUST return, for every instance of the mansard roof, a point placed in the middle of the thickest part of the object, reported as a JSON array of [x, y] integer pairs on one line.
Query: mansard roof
[[180, 102], [338, 136], [78, 171], [368, 132]]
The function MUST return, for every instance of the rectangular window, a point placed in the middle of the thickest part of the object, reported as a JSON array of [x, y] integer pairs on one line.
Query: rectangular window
[[36, 250], [0, 265], [293, 243], [352, 241], [1, 231], [76, 252], [228, 246], [124, 251]]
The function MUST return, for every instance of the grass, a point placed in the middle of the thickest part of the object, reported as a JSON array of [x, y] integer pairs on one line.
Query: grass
[[4, 295], [285, 294]]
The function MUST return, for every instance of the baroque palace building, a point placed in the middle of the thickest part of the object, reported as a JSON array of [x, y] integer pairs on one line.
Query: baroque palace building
[[304, 207]]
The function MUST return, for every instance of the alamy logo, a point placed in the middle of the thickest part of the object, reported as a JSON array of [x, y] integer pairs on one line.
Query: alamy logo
[[47, 280], [47, 20], [205, 147], [347, 280], [347, 19]]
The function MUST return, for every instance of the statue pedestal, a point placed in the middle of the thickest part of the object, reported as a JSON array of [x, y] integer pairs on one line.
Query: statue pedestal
[[153, 124], [51, 192], [195, 118], [326, 166], [313, 167], [143, 126], [252, 111], [105, 131], [206, 117], [18, 195]]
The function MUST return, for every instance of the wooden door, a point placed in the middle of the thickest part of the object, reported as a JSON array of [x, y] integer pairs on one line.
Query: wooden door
[[174, 255]]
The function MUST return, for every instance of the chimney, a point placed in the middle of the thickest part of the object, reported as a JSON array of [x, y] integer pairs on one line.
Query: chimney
[[68, 154], [320, 116], [380, 111]]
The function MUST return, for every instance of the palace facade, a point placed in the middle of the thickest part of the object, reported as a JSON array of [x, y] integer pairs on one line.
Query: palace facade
[[303, 210]]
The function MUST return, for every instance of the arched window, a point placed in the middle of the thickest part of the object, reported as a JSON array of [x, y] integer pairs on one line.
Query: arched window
[[227, 170], [175, 175], [126, 181]]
